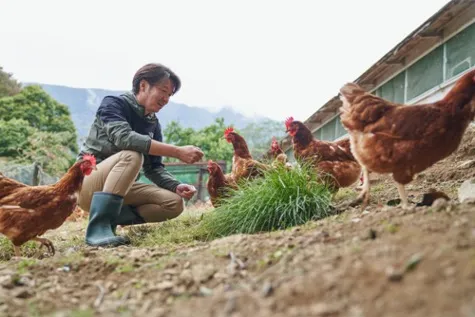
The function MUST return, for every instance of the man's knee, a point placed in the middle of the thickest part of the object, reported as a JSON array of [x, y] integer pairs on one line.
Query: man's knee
[[175, 205], [133, 158], [172, 207], [165, 210]]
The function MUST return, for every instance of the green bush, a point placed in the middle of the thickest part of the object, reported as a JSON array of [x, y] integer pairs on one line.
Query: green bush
[[14, 136], [50, 150]]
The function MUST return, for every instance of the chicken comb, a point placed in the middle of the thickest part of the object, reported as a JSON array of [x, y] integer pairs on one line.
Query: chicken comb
[[90, 158], [274, 139], [288, 121], [228, 130]]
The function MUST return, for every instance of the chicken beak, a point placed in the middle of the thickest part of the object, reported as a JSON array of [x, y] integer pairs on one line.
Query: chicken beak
[[94, 168]]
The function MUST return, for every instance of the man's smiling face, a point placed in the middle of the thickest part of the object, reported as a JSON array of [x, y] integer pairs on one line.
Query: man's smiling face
[[154, 97]]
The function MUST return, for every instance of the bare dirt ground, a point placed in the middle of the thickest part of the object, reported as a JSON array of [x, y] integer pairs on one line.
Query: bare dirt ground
[[382, 261]]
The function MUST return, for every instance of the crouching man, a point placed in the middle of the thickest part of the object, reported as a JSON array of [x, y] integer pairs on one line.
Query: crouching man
[[126, 137]]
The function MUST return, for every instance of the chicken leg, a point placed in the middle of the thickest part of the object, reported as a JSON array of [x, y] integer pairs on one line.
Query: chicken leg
[[45, 242], [363, 197], [403, 195], [17, 251]]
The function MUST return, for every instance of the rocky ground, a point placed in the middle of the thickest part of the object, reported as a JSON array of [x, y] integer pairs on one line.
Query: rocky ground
[[383, 261]]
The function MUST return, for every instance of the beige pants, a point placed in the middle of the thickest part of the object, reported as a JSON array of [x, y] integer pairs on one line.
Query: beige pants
[[117, 175]]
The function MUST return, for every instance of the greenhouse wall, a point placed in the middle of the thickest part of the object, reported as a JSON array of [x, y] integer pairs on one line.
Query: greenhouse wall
[[193, 174]]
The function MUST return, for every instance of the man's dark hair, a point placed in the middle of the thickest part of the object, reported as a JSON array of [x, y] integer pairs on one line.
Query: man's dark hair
[[154, 73]]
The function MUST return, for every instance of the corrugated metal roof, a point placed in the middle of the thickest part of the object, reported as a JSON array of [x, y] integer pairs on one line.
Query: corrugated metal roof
[[423, 38]]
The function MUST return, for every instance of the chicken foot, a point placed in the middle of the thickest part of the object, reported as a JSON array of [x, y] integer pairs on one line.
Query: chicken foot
[[363, 197], [45, 242]]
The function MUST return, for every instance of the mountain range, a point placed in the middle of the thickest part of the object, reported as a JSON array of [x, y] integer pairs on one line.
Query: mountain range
[[83, 103]]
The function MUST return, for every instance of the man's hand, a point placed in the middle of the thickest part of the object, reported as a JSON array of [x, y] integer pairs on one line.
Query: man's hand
[[189, 154], [186, 191]]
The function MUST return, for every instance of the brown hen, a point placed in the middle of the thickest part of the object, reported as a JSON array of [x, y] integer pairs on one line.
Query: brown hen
[[335, 163], [403, 140], [218, 183], [27, 212], [7, 185], [244, 167]]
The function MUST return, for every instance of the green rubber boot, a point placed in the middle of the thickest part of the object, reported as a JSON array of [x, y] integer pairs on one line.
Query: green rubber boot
[[105, 209], [128, 216]]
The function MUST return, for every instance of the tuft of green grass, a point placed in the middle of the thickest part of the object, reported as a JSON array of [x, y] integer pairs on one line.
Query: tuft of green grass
[[24, 265], [281, 199]]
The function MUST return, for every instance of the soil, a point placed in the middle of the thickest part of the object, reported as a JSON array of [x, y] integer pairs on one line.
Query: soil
[[383, 261]]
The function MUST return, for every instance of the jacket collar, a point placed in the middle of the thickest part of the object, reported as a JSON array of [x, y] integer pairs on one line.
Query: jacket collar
[[138, 108]]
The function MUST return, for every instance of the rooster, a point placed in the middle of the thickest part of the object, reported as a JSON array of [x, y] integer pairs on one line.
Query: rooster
[[336, 163], [218, 183], [243, 166], [403, 140], [27, 212]]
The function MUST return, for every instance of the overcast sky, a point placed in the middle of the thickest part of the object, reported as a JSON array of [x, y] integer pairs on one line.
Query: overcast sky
[[273, 58]]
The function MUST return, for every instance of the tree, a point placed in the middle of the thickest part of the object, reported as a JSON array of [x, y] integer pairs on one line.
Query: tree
[[259, 135], [36, 128], [8, 85], [175, 134], [48, 149], [209, 139], [15, 134], [41, 112]]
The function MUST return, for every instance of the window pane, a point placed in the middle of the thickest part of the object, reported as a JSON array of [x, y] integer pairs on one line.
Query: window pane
[[340, 130], [393, 90], [377, 92], [460, 52], [290, 155], [318, 134], [425, 74], [328, 131]]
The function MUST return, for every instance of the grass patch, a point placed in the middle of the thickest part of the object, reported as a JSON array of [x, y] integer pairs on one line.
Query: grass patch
[[29, 249], [185, 229], [279, 200], [345, 194], [378, 188], [6, 249], [124, 268], [88, 312], [24, 265], [71, 259]]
